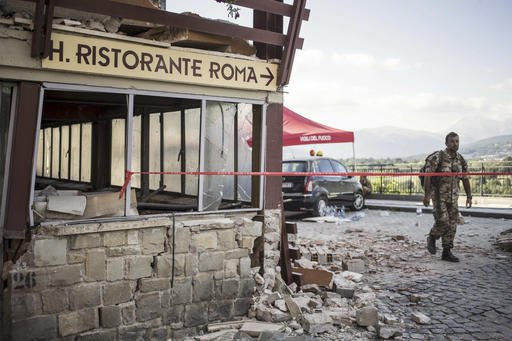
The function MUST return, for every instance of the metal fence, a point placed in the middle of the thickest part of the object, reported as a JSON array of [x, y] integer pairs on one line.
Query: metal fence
[[495, 186]]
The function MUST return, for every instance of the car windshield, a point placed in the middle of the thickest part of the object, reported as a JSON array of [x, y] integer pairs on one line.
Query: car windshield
[[295, 166]]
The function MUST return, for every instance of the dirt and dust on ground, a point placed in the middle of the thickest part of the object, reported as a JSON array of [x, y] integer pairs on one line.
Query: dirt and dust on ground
[[379, 266]]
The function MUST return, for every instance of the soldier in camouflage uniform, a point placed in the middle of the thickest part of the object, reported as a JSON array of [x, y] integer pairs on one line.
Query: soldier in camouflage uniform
[[444, 192]]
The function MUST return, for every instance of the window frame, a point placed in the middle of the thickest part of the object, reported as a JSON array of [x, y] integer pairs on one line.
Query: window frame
[[131, 93]]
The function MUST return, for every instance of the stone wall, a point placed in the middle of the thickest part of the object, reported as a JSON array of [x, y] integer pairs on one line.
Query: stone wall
[[124, 280]]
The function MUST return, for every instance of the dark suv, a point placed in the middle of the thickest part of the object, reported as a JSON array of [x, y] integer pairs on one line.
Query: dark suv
[[318, 192]]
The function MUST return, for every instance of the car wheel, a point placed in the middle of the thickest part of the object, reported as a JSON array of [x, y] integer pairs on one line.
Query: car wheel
[[320, 207], [358, 202]]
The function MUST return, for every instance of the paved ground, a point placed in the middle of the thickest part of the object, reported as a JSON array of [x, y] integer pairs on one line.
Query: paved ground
[[470, 300]]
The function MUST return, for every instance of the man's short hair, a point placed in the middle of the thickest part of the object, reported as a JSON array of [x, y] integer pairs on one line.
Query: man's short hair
[[450, 134]]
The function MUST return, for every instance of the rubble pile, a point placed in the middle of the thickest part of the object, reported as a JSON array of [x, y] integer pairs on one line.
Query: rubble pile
[[504, 240]]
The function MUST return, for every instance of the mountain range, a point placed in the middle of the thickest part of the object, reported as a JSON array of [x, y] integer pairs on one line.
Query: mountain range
[[480, 137]]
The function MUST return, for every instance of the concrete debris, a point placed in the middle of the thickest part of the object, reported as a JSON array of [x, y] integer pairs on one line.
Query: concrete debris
[[256, 328], [367, 316], [218, 335], [317, 323], [354, 265], [420, 318], [112, 24], [353, 276], [95, 25], [504, 241], [386, 332], [281, 305], [304, 263], [389, 319]]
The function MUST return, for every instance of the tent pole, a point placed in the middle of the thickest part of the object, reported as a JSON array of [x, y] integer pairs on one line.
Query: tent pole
[[354, 155]]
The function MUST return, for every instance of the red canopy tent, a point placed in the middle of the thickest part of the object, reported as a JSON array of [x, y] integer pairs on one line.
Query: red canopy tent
[[298, 130]]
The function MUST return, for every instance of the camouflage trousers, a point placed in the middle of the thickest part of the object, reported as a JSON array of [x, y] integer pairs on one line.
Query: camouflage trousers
[[446, 216]]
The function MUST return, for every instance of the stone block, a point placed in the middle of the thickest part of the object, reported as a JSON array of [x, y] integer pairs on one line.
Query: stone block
[[148, 306], [241, 306], [98, 335], [77, 256], [252, 228], [236, 253], [254, 328], [66, 275], [182, 291], [35, 328], [119, 251], [25, 305], [95, 265], [138, 267], [231, 268], [77, 321], [50, 252], [196, 314], [116, 238], [367, 316], [84, 296], [182, 240], [191, 264], [154, 284], [174, 314], [153, 240], [55, 300], [230, 288], [247, 287], [159, 333], [317, 323], [245, 267], [163, 266], [132, 237], [115, 269], [209, 261], [29, 280], [220, 310], [117, 292], [128, 312], [83, 241], [179, 265], [248, 242], [204, 241], [226, 239], [110, 316], [354, 265], [202, 287]]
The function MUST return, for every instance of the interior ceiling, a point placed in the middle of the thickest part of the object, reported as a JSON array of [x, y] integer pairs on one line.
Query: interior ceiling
[[71, 107]]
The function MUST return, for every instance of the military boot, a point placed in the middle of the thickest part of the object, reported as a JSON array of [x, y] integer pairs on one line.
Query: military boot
[[449, 256], [431, 244]]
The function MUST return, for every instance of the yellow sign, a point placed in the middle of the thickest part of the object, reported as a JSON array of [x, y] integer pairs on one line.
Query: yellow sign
[[116, 58]]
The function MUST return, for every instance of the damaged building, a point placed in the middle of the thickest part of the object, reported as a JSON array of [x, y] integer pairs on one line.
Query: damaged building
[[128, 139]]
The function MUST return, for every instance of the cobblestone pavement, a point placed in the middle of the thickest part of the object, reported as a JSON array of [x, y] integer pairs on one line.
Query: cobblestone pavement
[[470, 300], [472, 304]]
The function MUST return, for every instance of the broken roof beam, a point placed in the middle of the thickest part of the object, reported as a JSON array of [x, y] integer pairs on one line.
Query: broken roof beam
[[272, 7], [156, 16]]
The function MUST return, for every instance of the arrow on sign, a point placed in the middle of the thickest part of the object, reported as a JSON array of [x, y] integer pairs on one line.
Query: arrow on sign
[[270, 76]]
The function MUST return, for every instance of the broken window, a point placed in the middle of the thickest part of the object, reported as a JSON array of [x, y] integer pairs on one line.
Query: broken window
[[89, 139]]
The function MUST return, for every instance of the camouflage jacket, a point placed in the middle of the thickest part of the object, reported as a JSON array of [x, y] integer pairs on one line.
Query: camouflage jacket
[[446, 187]]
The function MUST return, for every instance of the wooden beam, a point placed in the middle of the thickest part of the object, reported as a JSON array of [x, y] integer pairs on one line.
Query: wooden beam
[[175, 20], [20, 172], [290, 46], [271, 6]]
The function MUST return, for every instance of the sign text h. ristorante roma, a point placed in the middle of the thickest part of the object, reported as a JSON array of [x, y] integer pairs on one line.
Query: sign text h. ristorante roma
[[116, 58]]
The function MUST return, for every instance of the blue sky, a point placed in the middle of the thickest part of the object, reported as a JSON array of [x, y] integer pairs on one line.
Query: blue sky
[[412, 64]]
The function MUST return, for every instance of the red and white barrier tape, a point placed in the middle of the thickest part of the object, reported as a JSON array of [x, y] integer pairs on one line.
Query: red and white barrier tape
[[129, 174]]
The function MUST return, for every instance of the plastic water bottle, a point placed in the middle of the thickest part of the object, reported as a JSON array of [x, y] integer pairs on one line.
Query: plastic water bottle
[[419, 213]]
